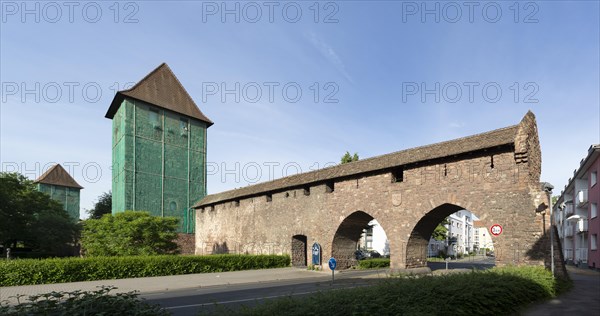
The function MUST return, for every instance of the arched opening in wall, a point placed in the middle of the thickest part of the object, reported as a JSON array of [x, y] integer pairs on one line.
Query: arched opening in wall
[[299, 250], [359, 237], [450, 233]]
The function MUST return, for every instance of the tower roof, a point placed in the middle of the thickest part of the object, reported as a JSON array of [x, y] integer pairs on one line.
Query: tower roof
[[161, 88], [57, 175]]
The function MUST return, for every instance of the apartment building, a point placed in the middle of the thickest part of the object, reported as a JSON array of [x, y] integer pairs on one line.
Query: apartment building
[[576, 213]]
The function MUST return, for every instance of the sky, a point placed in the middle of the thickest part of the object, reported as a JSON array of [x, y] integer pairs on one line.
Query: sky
[[292, 86]]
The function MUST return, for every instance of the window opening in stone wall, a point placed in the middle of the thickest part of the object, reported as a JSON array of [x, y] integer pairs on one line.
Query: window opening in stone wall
[[329, 187], [306, 190], [398, 174]]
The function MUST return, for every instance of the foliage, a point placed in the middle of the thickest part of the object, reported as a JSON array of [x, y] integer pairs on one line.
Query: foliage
[[103, 206], [31, 218], [374, 263], [440, 232], [130, 233], [499, 291], [346, 158], [83, 303], [61, 270]]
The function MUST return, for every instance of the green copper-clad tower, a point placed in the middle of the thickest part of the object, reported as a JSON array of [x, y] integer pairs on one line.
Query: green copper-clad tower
[[158, 149], [61, 187]]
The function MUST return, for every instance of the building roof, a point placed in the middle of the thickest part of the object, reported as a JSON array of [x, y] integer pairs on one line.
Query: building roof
[[492, 139], [161, 88], [57, 175]]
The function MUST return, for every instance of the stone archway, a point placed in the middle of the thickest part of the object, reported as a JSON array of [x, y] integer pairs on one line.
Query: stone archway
[[346, 237], [299, 245], [416, 247]]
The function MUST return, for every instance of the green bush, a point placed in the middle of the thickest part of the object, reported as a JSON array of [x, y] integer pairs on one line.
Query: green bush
[[130, 233], [499, 291], [375, 263], [83, 303], [45, 271]]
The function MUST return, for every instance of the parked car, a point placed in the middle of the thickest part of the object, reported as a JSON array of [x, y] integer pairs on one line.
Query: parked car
[[374, 254], [361, 254]]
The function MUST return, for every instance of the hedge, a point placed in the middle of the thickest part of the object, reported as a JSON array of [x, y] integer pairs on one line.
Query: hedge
[[61, 270], [499, 291], [375, 263]]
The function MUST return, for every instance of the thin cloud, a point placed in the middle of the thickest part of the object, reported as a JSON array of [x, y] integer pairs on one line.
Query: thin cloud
[[330, 54]]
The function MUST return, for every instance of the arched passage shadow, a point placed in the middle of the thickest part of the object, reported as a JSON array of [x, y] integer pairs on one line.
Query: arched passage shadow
[[346, 237]]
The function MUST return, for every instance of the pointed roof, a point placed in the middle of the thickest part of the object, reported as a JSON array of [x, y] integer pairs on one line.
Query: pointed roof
[[161, 88], [57, 175]]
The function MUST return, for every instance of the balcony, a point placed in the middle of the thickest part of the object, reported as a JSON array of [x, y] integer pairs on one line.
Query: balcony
[[582, 198], [582, 225], [569, 231], [569, 210]]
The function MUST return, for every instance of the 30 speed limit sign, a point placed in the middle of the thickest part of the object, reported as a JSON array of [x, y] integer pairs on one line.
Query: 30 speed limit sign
[[496, 230]]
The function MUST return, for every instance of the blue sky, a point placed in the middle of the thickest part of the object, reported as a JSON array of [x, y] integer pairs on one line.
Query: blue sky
[[370, 64]]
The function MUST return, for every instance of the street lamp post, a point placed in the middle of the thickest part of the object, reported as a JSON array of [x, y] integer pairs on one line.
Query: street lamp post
[[548, 188]]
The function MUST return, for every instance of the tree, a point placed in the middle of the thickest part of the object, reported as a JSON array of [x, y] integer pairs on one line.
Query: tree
[[129, 233], [440, 232], [346, 158], [103, 206], [554, 199], [31, 218]]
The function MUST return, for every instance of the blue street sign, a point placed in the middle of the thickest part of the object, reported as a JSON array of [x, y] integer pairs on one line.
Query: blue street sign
[[332, 263], [316, 254]]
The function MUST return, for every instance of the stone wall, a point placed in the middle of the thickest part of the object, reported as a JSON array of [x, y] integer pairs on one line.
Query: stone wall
[[186, 243], [497, 185]]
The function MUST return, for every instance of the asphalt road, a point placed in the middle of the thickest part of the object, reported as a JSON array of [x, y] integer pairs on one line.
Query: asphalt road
[[233, 296], [224, 297], [478, 263]]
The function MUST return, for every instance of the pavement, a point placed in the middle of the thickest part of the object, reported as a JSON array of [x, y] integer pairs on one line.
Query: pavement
[[165, 284], [582, 299]]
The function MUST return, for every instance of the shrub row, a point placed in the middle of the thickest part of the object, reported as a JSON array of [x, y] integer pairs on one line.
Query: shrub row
[[499, 291], [45, 271], [374, 263]]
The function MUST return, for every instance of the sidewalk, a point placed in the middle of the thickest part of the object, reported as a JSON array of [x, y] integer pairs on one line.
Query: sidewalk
[[167, 283], [583, 299]]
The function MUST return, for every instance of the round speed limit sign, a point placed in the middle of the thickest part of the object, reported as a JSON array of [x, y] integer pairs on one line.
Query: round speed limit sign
[[496, 230]]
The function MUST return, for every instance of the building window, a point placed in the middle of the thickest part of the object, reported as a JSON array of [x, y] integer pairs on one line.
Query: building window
[[594, 242], [594, 210], [236, 203], [398, 174], [153, 117], [306, 190], [593, 178], [329, 187], [183, 126], [269, 197]]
